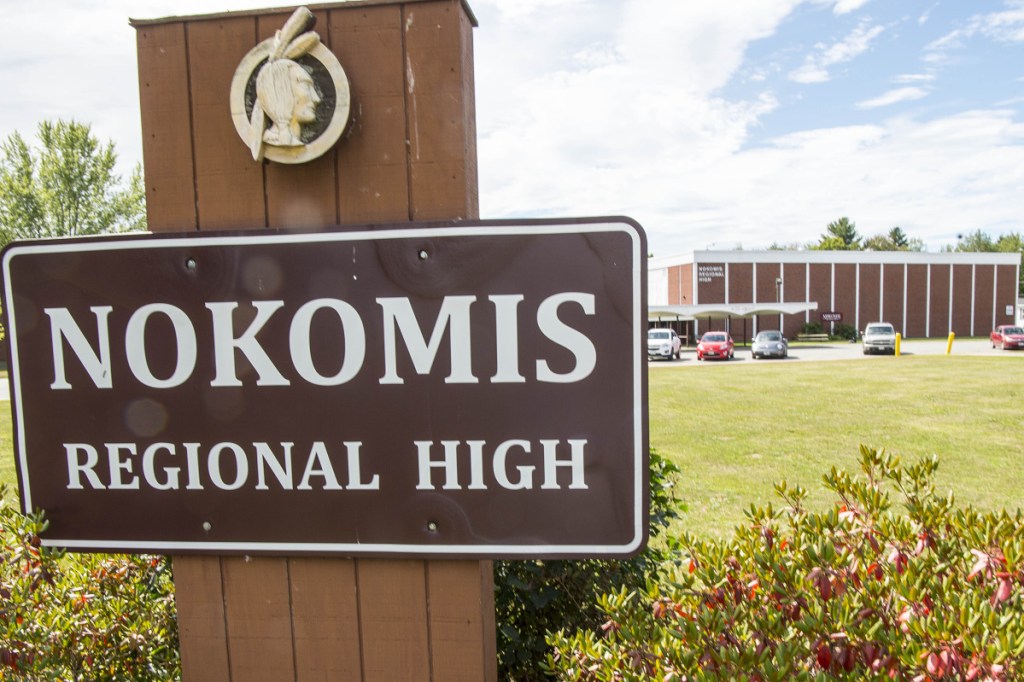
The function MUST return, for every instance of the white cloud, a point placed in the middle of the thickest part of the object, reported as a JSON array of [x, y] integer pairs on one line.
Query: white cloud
[[893, 97], [914, 78], [815, 66], [926, 15], [518, 10], [847, 6], [1006, 26], [809, 73]]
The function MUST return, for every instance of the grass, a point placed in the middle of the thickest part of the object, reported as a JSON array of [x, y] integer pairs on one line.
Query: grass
[[737, 429], [7, 473]]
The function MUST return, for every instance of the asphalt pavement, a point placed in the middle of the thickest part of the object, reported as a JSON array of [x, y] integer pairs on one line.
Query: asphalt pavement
[[848, 351]]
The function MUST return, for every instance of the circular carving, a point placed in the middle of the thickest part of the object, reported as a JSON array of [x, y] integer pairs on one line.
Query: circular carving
[[302, 103]]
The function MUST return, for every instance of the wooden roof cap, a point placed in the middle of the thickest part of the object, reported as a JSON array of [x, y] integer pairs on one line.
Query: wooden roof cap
[[342, 4]]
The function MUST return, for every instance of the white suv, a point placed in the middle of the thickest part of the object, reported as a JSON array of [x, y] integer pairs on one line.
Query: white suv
[[663, 343], [879, 337]]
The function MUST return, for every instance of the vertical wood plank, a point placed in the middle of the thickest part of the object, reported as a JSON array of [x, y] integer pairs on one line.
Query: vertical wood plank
[[299, 195], [325, 619], [393, 617], [439, 102], [372, 158], [166, 120], [460, 595], [200, 603], [229, 184], [257, 609]]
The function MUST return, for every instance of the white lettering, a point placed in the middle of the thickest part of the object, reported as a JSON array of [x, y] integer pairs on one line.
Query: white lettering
[[476, 465], [506, 339], [282, 471], [352, 332], [241, 466], [454, 313], [449, 464], [149, 467], [501, 467], [158, 473], [184, 337], [96, 363], [575, 463], [192, 457], [118, 465], [225, 343], [76, 467], [567, 337], [319, 464], [355, 478]]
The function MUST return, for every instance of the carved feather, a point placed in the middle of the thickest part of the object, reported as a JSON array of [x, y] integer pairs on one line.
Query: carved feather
[[256, 126], [302, 45], [299, 21]]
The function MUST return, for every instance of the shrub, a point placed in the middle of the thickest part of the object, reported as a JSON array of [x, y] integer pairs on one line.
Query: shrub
[[812, 328], [87, 617], [857, 592], [533, 598], [845, 331]]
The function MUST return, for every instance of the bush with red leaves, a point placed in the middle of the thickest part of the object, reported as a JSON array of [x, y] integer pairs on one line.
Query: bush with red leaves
[[81, 617], [860, 592]]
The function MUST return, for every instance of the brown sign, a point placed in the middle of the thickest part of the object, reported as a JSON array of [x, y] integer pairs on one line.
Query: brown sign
[[831, 316], [470, 389]]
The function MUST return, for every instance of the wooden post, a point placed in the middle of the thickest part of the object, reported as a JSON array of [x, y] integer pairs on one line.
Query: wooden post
[[410, 154]]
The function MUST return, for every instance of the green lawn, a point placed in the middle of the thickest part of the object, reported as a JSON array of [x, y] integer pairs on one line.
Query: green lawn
[[737, 429], [7, 472]]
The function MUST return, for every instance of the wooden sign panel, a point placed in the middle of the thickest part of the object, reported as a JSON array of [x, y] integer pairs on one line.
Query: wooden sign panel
[[459, 389]]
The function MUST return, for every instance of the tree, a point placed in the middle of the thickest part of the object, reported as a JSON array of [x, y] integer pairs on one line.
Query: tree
[[975, 242], [899, 238], [895, 240], [840, 235], [66, 186], [979, 241]]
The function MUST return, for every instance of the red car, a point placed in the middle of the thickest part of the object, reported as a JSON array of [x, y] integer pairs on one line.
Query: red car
[[1007, 336], [715, 346]]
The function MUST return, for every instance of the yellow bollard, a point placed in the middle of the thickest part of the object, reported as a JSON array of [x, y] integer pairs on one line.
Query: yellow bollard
[[898, 338], [949, 343]]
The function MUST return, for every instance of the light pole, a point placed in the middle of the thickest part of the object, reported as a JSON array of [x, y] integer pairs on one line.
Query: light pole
[[778, 297]]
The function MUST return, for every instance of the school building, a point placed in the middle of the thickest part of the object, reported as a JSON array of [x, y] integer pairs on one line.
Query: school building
[[922, 294]]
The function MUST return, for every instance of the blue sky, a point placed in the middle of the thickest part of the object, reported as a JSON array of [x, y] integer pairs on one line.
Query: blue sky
[[715, 124]]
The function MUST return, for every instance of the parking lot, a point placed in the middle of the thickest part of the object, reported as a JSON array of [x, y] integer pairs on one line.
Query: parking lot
[[846, 351]]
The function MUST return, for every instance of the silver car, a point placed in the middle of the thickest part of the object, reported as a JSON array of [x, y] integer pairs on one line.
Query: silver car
[[663, 343], [769, 344], [879, 337]]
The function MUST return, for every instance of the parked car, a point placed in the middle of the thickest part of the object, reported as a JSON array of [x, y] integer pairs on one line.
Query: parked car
[[663, 343], [879, 337], [715, 346], [769, 344], [1007, 336]]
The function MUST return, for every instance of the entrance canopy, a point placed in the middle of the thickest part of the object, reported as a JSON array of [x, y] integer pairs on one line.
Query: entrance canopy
[[726, 310]]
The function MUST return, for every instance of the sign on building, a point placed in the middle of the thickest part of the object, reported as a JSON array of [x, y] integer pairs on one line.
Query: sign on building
[[469, 389]]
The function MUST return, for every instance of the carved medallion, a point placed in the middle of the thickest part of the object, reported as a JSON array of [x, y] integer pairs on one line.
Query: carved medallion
[[290, 98]]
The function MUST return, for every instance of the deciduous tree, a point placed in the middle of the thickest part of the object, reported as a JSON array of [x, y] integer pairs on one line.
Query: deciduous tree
[[65, 186]]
